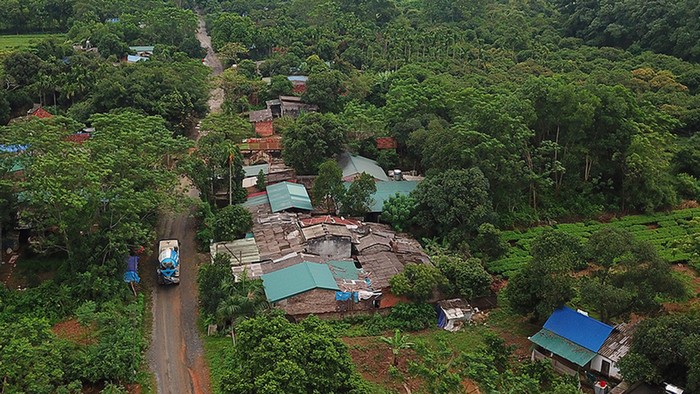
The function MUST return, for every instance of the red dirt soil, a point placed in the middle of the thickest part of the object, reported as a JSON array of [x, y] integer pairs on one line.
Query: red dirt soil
[[373, 359], [695, 284], [74, 332]]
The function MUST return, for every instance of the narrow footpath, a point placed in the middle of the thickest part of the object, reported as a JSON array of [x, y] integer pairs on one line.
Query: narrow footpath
[[176, 354]]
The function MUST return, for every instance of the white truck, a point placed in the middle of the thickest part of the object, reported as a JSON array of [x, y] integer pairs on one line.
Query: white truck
[[169, 262]]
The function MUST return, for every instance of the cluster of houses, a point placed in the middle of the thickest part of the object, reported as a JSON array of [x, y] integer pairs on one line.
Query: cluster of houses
[[324, 265]]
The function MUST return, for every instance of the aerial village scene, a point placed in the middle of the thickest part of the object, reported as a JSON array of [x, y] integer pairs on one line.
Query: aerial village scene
[[349, 196]]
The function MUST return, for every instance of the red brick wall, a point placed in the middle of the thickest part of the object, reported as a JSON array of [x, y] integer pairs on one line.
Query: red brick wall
[[264, 129]]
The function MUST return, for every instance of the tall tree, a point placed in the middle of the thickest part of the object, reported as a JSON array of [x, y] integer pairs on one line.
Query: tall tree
[[275, 355], [453, 203], [357, 200], [328, 190], [99, 198], [312, 139]]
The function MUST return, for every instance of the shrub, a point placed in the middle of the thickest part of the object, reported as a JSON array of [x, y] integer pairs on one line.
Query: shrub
[[412, 317], [417, 282]]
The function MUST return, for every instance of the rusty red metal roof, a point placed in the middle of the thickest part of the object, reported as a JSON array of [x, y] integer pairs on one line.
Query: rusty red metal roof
[[386, 143], [41, 113], [78, 138]]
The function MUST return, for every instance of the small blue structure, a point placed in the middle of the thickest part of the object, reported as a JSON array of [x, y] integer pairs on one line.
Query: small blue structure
[[13, 148], [135, 59], [132, 268]]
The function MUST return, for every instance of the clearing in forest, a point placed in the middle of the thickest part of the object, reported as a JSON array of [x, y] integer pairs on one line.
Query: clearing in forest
[[18, 41]]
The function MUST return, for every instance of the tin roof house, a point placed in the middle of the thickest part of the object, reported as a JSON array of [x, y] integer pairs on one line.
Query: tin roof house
[[576, 342]]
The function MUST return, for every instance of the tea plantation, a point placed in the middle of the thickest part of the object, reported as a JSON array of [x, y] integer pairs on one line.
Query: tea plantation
[[663, 230]]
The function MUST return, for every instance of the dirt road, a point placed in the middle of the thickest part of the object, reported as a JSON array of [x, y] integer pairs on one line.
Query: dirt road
[[176, 354], [216, 97]]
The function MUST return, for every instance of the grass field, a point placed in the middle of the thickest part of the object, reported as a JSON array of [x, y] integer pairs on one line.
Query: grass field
[[663, 230], [11, 41]]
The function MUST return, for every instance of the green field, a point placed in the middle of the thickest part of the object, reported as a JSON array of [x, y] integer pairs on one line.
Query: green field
[[10, 42], [663, 230]]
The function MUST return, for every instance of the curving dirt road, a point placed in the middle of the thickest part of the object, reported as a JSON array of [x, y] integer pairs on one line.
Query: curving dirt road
[[176, 354]]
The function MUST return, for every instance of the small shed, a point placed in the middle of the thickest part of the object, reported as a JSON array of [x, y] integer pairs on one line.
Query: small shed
[[373, 243], [135, 58], [298, 83], [286, 195], [39, 112], [143, 50], [571, 339], [452, 314]]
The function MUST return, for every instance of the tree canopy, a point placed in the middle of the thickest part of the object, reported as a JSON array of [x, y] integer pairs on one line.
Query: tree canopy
[[274, 355]]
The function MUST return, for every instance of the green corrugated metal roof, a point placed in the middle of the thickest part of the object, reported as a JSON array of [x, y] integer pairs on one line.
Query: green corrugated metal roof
[[344, 270], [563, 347], [255, 170], [297, 279], [352, 165], [17, 166], [386, 190], [142, 48], [256, 200], [286, 195]]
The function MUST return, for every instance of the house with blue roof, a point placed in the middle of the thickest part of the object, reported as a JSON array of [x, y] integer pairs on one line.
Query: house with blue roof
[[577, 343]]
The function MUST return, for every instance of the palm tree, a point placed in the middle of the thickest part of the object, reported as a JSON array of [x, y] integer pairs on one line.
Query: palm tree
[[245, 299], [396, 343]]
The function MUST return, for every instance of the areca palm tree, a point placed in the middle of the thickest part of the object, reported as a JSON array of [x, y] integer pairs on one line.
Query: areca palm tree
[[245, 299], [397, 343]]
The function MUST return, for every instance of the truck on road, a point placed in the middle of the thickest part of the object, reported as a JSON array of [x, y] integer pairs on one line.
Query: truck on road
[[169, 262]]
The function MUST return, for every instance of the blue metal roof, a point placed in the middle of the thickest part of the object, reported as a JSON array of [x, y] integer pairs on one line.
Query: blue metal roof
[[13, 148], [287, 195], [578, 328], [298, 78]]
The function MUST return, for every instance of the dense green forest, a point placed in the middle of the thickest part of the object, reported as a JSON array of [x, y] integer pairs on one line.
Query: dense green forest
[[558, 127]]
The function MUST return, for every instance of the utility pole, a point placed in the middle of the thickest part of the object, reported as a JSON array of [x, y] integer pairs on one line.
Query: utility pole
[[230, 179]]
